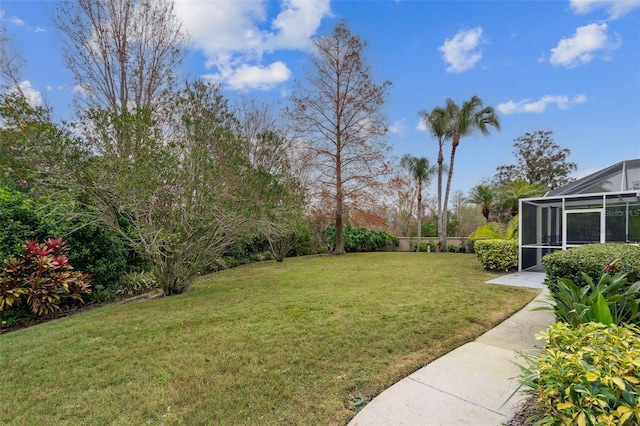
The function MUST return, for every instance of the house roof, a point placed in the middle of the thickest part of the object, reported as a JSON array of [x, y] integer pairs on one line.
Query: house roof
[[622, 176]]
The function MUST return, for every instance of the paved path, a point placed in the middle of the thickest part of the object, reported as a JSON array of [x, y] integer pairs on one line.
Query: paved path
[[471, 384]]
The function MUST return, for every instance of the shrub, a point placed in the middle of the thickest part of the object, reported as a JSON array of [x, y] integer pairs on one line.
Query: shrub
[[93, 249], [425, 245], [590, 259], [362, 239], [610, 301], [497, 255], [42, 278], [19, 221], [135, 283], [587, 375], [490, 230]]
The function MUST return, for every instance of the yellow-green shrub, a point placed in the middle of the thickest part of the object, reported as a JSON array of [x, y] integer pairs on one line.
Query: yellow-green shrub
[[587, 375], [497, 255]]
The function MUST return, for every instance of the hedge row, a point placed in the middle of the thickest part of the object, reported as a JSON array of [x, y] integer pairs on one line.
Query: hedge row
[[592, 260]]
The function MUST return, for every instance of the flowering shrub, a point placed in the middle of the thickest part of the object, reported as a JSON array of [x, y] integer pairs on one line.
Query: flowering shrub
[[42, 278]]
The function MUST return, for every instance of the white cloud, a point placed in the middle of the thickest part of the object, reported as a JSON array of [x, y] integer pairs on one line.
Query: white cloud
[[539, 106], [34, 98], [398, 128], [258, 77], [421, 126], [614, 8], [81, 90], [583, 46], [15, 21], [461, 53], [19, 22], [234, 35]]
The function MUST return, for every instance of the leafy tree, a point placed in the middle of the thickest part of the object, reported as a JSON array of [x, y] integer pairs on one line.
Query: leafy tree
[[186, 193], [510, 194], [483, 196], [32, 148], [463, 120], [269, 150], [339, 117], [421, 171], [540, 160], [469, 218]]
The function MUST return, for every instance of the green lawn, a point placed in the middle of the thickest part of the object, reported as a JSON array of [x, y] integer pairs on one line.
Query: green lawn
[[261, 344]]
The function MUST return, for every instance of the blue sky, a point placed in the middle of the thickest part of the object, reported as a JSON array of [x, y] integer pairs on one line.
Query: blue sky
[[572, 67]]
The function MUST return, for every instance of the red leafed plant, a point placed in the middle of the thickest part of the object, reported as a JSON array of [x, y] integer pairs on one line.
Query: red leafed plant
[[42, 278]]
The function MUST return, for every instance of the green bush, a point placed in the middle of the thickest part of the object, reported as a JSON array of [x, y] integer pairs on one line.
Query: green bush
[[497, 255], [19, 221], [610, 301], [91, 248], [591, 259], [361, 239], [586, 375], [425, 245], [429, 229]]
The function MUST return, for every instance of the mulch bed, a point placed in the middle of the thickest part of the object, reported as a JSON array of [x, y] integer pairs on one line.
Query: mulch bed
[[526, 414]]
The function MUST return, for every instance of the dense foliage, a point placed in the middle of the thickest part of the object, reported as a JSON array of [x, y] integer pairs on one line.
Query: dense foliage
[[540, 161], [497, 255], [91, 248], [609, 301], [587, 375], [591, 259], [362, 239], [42, 279]]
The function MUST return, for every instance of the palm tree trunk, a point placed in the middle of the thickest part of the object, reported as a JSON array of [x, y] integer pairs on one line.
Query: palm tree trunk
[[443, 239], [440, 163], [419, 213]]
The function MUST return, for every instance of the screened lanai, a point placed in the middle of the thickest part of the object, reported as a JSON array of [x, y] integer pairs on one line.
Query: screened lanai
[[603, 207]]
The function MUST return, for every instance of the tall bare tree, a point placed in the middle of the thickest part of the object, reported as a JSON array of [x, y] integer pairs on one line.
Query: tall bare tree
[[339, 115], [123, 53]]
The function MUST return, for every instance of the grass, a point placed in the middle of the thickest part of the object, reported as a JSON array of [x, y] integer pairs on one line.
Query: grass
[[266, 343]]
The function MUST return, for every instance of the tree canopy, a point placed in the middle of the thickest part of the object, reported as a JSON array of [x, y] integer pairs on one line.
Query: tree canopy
[[539, 161]]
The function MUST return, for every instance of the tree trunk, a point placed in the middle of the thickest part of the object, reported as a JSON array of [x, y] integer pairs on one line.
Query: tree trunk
[[443, 239], [338, 247], [419, 214], [440, 167], [339, 241]]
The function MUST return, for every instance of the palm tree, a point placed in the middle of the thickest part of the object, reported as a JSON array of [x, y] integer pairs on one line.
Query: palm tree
[[484, 196], [510, 194], [421, 172], [465, 120], [437, 121]]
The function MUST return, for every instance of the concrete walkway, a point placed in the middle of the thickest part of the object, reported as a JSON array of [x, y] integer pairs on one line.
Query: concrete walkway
[[471, 384]]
